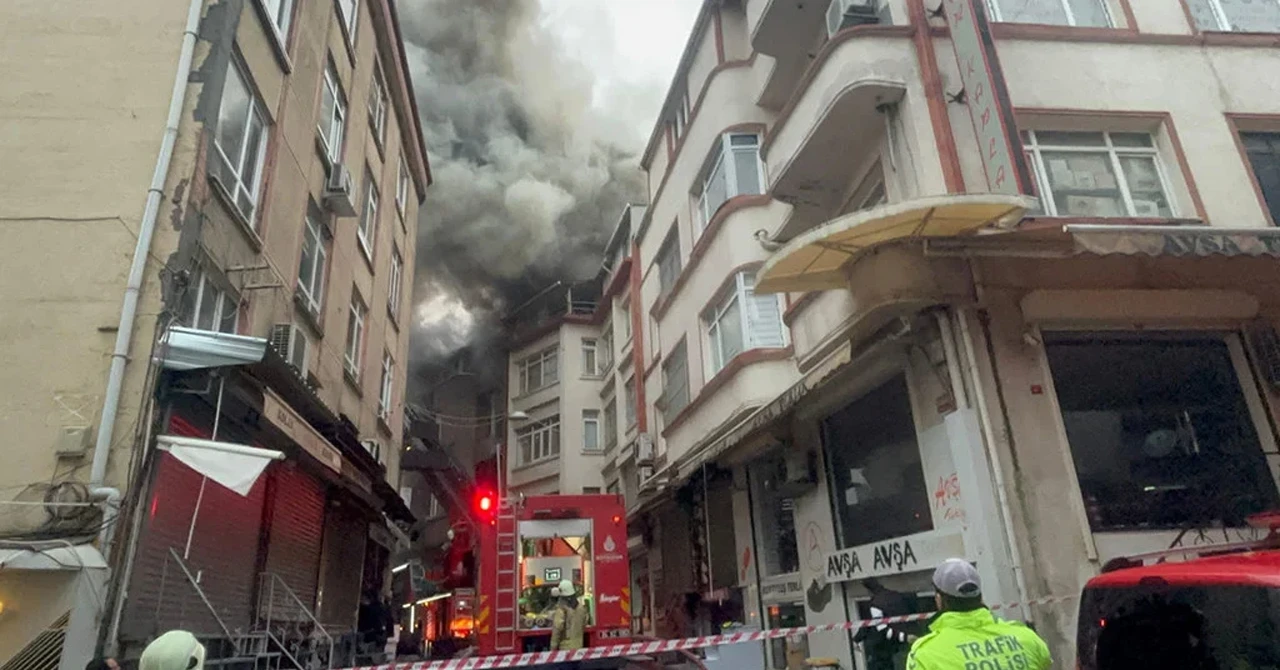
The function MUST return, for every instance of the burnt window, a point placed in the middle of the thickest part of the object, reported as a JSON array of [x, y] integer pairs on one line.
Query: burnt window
[[1159, 430]]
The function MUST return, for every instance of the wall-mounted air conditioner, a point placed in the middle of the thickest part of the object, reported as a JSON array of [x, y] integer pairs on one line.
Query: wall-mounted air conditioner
[[644, 449], [288, 340], [339, 191], [843, 14], [374, 448]]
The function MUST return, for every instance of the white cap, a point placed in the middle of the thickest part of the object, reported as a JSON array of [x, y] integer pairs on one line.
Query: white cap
[[957, 578], [566, 589]]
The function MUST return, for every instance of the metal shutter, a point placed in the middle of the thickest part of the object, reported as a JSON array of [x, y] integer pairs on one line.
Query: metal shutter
[[342, 565], [294, 533]]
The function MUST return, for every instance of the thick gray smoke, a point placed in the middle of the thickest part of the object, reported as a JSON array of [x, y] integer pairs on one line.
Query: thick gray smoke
[[528, 180]]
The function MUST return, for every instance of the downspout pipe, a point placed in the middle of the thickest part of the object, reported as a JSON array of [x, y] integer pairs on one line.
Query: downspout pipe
[[155, 194]]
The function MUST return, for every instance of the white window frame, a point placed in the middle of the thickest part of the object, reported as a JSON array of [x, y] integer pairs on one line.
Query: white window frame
[[1035, 153], [669, 262], [280, 13], [349, 17], [610, 423], [367, 231], [333, 129], [997, 13], [680, 121], [357, 316], [539, 441], [203, 285], [670, 389], [312, 288], [629, 398], [378, 105], [604, 348], [402, 188], [590, 358], [395, 283], [547, 359], [590, 422], [732, 188], [624, 321], [385, 388], [741, 292], [1220, 17], [235, 170]]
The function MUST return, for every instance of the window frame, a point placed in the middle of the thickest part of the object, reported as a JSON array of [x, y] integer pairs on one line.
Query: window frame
[[349, 21], [543, 441], [280, 19], [402, 188], [723, 156], [331, 87], [590, 357], [738, 291], [609, 423], [353, 352], [235, 186], [367, 227], [378, 105], [668, 409], [204, 280], [1220, 18], [313, 290], [668, 262], [1271, 137], [1034, 151], [395, 283], [629, 392], [552, 354], [624, 307], [591, 421], [996, 12], [386, 386]]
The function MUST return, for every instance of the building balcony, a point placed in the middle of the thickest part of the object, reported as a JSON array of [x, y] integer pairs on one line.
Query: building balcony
[[836, 117]]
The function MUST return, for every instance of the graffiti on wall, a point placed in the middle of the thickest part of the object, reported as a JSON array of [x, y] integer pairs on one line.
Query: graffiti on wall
[[946, 498]]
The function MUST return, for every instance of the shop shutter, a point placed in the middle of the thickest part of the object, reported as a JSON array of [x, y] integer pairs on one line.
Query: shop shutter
[[342, 565], [294, 533], [223, 557]]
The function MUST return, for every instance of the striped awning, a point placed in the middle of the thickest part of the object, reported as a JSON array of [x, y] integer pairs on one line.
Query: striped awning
[[1179, 241]]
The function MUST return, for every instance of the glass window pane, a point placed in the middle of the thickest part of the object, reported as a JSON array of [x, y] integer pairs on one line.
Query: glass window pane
[[1090, 13], [1264, 158], [1145, 187], [1083, 184], [233, 115], [307, 268], [1255, 16], [1131, 139], [249, 170], [208, 318], [716, 191], [746, 167], [1033, 11], [1067, 138], [731, 332], [1203, 15]]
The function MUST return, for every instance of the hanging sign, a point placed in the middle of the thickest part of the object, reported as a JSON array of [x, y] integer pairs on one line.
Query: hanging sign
[[912, 553]]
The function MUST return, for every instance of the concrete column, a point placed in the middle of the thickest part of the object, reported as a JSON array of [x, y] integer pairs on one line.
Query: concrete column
[[82, 629]]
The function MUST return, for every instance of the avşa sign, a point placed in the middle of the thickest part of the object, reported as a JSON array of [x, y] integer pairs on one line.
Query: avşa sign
[[922, 551]]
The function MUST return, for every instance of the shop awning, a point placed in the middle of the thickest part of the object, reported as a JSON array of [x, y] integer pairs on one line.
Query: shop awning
[[815, 260], [235, 466], [193, 349], [1104, 239]]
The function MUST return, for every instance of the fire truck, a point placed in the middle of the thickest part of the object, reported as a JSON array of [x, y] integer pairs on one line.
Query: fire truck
[[526, 546], [1219, 609]]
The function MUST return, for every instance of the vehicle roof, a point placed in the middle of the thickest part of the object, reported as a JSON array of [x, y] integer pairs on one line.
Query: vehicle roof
[[1251, 568]]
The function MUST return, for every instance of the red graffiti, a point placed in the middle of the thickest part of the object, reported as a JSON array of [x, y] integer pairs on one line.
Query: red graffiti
[[746, 561], [946, 497]]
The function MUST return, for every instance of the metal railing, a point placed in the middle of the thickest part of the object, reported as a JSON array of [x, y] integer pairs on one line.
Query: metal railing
[[173, 557], [270, 584]]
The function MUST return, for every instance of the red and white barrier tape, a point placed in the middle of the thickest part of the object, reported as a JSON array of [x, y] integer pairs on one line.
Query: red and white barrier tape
[[660, 646]]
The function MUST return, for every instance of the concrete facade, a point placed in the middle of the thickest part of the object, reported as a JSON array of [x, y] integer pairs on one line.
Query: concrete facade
[[230, 232]]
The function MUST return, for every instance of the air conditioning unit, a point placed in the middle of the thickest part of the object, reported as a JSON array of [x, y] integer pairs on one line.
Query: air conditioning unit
[[644, 449], [374, 448], [843, 14], [800, 473], [339, 191], [288, 340]]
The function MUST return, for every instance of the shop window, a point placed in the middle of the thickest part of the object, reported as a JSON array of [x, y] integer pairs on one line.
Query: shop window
[[775, 516], [1263, 150], [1052, 12], [1098, 174], [790, 615], [1243, 16], [1159, 431], [877, 481]]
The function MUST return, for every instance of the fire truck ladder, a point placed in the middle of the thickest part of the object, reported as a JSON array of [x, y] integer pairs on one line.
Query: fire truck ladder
[[506, 606]]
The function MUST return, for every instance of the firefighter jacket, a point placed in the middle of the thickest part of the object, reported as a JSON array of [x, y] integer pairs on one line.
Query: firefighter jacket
[[568, 626], [977, 640]]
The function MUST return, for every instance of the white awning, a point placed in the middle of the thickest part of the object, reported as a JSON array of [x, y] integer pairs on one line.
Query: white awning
[[235, 466], [815, 260], [194, 349]]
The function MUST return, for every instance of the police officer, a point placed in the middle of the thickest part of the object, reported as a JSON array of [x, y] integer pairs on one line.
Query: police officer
[[965, 635]]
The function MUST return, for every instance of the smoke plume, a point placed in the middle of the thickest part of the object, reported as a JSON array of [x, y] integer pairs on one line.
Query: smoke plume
[[530, 176]]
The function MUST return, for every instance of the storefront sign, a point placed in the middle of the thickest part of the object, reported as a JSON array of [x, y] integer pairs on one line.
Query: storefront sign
[[785, 588], [922, 551], [297, 429], [987, 97]]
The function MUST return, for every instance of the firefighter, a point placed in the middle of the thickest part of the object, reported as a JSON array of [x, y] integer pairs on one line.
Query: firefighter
[[965, 634], [175, 650], [569, 623]]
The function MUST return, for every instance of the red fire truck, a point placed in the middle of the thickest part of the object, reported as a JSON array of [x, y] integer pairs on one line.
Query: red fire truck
[[527, 546], [1220, 610]]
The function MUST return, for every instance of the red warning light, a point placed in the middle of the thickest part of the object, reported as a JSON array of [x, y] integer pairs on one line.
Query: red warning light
[[617, 518], [485, 504]]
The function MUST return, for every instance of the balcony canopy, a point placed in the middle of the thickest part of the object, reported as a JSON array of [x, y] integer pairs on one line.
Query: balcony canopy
[[815, 260]]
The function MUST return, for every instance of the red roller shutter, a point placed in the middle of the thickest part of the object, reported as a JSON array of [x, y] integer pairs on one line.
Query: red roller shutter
[[294, 535]]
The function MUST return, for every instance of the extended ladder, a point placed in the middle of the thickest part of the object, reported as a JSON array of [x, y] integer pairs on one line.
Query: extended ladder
[[506, 606]]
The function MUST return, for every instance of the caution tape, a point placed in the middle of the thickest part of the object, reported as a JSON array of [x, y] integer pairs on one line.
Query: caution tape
[[661, 646]]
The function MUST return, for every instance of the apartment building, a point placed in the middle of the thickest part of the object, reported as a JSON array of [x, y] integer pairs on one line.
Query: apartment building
[[245, 177], [981, 278]]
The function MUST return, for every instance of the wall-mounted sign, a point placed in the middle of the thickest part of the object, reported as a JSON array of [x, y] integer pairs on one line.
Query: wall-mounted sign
[[784, 588], [987, 97], [297, 429], [922, 551]]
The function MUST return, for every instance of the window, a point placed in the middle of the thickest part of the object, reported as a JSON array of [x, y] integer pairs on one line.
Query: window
[[675, 384], [368, 216], [1159, 430], [668, 262], [350, 11], [590, 490], [735, 170], [605, 349], [732, 330], [612, 489], [241, 142], [1098, 174], [539, 441], [290, 342], [207, 306], [402, 187], [378, 106], [681, 120], [356, 316], [1249, 16], [280, 12], [590, 359], [333, 114], [629, 397], [540, 370], [776, 514], [591, 430], [384, 391], [870, 191], [396, 280], [874, 467], [1263, 150], [1053, 12], [611, 424], [311, 268], [624, 320]]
